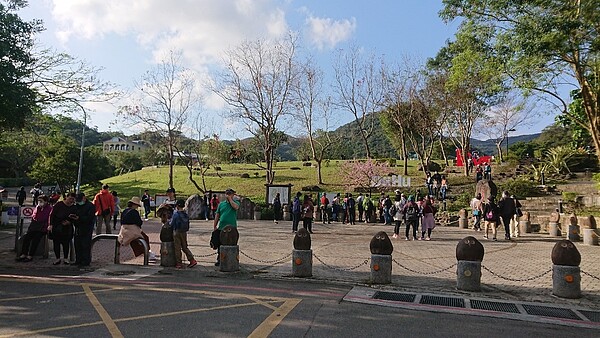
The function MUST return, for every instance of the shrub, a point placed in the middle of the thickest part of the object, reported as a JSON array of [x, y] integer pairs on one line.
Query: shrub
[[267, 214], [569, 196], [520, 187], [245, 175]]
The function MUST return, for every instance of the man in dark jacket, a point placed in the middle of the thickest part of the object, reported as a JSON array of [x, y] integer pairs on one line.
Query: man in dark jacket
[[508, 210], [84, 226]]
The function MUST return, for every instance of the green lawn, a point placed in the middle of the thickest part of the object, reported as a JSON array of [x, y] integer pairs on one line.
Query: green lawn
[[156, 179]]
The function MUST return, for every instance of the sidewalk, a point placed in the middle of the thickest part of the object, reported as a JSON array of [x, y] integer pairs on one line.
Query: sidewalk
[[516, 270]]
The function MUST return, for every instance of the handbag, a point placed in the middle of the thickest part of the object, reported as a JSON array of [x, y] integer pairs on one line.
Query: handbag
[[519, 212], [215, 239]]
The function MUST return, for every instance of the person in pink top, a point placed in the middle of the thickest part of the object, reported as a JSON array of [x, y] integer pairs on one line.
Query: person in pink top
[[37, 229]]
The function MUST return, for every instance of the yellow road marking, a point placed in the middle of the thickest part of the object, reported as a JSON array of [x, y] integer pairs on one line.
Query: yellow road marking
[[108, 321], [265, 304], [268, 325], [50, 295]]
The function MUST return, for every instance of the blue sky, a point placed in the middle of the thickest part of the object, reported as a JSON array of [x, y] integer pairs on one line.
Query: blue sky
[[127, 37]]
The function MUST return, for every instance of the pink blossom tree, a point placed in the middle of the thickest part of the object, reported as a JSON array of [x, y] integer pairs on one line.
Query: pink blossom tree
[[364, 174]]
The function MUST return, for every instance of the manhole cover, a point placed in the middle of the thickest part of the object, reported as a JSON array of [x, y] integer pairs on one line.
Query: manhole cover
[[494, 306], [547, 311], [395, 296], [120, 273], [443, 301]]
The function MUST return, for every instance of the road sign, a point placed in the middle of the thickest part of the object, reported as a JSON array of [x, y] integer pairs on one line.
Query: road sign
[[26, 212], [12, 211]]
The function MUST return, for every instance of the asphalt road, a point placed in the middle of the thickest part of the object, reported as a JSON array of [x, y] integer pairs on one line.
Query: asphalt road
[[189, 304]]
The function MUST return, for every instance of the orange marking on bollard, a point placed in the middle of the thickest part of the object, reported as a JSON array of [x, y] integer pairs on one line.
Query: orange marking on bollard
[[376, 267], [569, 278], [298, 261]]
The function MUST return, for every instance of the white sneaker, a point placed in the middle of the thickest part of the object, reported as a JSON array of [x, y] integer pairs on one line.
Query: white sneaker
[[395, 236], [151, 256], [145, 219]]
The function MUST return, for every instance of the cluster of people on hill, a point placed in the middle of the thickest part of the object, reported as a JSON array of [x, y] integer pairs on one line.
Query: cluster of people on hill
[[506, 212], [437, 185]]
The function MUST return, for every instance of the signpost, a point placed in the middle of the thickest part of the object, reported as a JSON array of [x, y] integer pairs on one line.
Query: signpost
[[26, 212]]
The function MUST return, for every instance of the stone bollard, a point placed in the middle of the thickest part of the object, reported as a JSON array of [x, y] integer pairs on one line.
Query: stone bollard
[[469, 253], [381, 258], [302, 254], [566, 275], [229, 251], [257, 214], [590, 236], [287, 215], [167, 254], [554, 229], [573, 234], [525, 223], [463, 222]]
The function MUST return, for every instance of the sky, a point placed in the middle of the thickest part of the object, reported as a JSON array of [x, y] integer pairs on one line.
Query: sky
[[126, 38]]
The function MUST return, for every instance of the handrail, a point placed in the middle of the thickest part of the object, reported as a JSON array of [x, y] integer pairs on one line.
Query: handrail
[[117, 259]]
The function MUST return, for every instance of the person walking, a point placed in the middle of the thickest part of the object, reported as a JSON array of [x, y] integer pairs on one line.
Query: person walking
[[360, 206], [325, 209], [214, 204], [105, 207], [514, 223], [61, 227], [35, 192], [477, 211], [368, 206], [226, 214], [146, 202], [296, 211], [443, 188], [490, 215], [308, 210], [507, 209], [387, 204], [180, 223], [335, 207], [84, 227], [21, 196], [397, 215], [277, 208], [411, 212], [117, 209], [428, 212], [36, 230]]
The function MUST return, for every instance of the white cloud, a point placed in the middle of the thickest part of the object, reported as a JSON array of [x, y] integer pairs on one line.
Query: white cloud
[[201, 29], [327, 33]]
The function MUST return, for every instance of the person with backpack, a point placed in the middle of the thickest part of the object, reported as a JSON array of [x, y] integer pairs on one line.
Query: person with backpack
[[296, 211], [351, 210], [360, 206], [428, 211], [368, 206], [490, 215], [308, 210], [21, 196], [411, 216], [36, 192], [214, 204], [387, 204], [325, 209], [396, 212], [477, 210], [180, 223]]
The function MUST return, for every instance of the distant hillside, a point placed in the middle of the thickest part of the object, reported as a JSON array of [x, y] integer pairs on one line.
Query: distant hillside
[[488, 147]]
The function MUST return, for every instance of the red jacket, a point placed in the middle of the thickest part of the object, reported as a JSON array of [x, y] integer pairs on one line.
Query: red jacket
[[107, 200]]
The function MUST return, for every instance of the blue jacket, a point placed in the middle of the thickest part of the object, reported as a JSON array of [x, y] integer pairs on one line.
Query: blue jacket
[[180, 221]]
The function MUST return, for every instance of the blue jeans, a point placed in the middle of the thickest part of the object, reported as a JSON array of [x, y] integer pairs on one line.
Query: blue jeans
[[386, 216], [295, 220]]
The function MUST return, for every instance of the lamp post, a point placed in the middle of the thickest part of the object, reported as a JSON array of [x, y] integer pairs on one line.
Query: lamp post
[[508, 131], [78, 187]]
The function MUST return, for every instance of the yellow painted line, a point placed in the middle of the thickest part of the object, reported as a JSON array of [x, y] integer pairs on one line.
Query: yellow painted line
[[50, 329], [50, 295], [268, 325], [108, 321], [265, 304]]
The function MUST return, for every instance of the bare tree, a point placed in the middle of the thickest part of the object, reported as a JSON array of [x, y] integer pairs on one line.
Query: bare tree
[[506, 116], [359, 86], [167, 98], [257, 86], [312, 108]]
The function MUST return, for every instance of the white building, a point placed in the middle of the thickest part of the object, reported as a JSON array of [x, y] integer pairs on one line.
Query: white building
[[121, 144]]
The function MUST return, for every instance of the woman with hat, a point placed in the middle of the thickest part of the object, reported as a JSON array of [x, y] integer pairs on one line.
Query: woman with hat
[[131, 226]]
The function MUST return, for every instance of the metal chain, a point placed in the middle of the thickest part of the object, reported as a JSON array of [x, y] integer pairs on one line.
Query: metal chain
[[341, 269], [424, 273], [589, 274], [267, 262], [203, 256], [515, 279]]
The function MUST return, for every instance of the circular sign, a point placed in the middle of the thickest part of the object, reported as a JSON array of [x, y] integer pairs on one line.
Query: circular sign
[[27, 212]]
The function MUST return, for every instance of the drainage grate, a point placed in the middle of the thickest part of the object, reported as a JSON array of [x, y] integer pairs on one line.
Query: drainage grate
[[395, 296], [494, 306], [550, 312], [593, 316], [120, 273], [443, 301]]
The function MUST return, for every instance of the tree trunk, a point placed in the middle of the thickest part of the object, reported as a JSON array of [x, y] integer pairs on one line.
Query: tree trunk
[[499, 148], [319, 176], [366, 141], [444, 156], [404, 155], [465, 150], [171, 163]]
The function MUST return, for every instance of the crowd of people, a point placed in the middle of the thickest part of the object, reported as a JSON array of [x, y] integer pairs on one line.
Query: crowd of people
[[506, 213]]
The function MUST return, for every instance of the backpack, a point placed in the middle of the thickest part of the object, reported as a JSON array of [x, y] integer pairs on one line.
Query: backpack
[[296, 206], [393, 210], [412, 213], [491, 214]]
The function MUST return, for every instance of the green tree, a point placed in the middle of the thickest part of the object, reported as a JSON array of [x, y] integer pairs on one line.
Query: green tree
[[58, 162], [542, 43], [17, 99]]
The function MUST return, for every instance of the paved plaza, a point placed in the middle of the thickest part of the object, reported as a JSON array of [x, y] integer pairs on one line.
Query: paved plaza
[[517, 270]]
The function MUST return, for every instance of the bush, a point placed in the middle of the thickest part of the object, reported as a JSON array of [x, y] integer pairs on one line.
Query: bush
[[520, 187], [569, 196], [267, 214], [245, 175]]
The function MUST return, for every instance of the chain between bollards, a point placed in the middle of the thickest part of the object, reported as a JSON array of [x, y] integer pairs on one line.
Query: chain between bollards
[[590, 275], [365, 262], [266, 262], [515, 279], [204, 256], [424, 273]]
